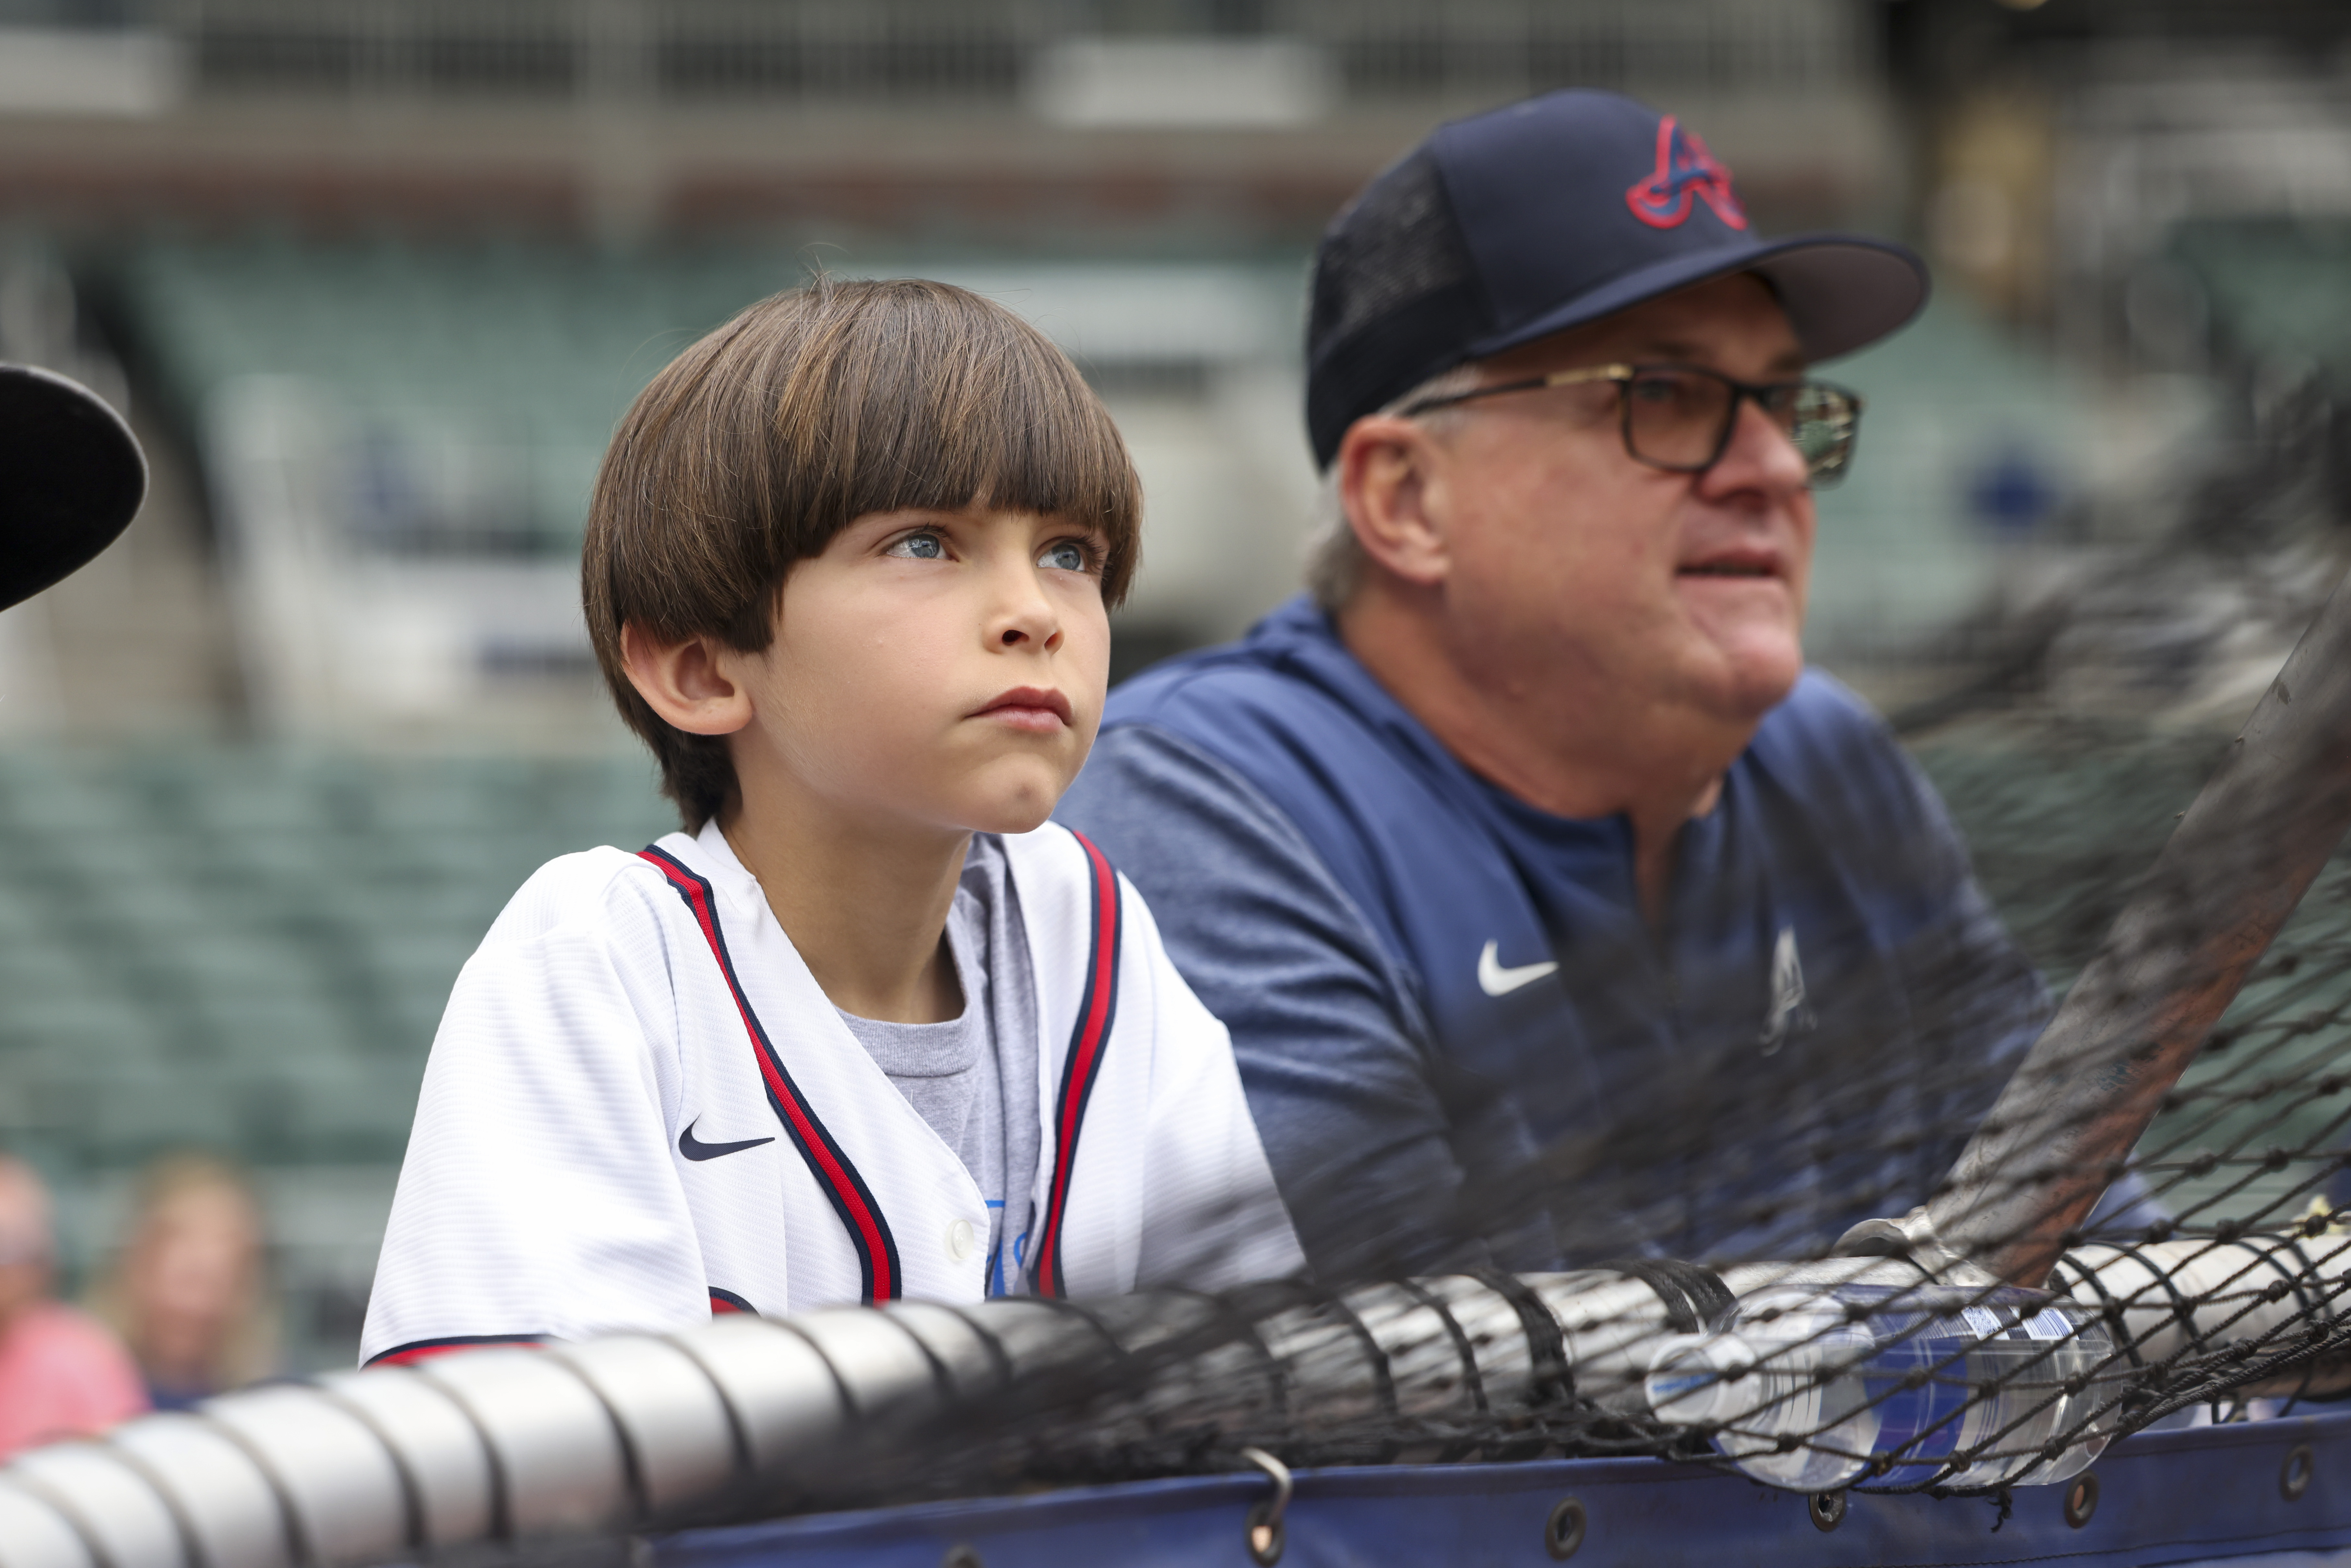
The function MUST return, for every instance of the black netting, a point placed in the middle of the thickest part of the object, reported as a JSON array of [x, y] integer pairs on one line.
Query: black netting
[[1715, 1321], [1711, 1315]]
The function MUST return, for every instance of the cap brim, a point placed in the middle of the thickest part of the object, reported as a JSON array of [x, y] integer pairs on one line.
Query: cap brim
[[1842, 292], [71, 478]]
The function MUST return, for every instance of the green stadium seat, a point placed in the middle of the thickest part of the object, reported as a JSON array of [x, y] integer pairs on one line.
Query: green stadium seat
[[249, 949]]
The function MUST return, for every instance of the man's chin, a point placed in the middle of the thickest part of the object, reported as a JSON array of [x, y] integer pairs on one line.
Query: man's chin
[[1751, 680]]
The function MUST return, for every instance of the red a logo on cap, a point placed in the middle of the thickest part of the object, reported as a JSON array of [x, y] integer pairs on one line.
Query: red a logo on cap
[[1685, 170]]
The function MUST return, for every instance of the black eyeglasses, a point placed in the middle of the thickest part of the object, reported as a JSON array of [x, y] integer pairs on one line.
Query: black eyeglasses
[[1680, 417]]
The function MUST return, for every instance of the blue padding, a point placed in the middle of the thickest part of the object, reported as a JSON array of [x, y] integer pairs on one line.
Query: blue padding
[[2210, 1495]]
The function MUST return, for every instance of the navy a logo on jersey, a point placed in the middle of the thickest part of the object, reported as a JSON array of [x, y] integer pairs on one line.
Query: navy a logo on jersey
[[1788, 1010]]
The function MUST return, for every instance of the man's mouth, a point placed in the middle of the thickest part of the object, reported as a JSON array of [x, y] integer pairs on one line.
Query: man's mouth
[[1731, 569]]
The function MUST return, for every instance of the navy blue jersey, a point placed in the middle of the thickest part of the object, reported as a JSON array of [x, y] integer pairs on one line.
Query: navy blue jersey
[[1430, 983]]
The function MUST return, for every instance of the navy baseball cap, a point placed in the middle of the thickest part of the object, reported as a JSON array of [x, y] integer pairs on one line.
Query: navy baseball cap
[[71, 478], [1525, 221]]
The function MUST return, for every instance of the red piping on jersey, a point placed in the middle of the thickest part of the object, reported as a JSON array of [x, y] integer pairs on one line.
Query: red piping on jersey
[[877, 1250], [424, 1349], [1088, 1041]]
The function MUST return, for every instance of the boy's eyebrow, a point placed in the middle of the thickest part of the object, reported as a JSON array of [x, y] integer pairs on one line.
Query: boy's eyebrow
[[903, 517]]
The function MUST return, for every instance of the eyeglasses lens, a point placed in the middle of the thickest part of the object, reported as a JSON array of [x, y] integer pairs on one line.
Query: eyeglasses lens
[[1821, 425], [1674, 418], [1680, 419]]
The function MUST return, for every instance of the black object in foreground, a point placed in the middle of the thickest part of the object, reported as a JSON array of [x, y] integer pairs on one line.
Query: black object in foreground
[[71, 478]]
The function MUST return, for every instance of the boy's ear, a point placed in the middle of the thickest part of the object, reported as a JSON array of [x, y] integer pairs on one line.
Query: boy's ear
[[689, 683]]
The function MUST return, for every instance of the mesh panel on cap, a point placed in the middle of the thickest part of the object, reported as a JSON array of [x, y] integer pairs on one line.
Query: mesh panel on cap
[[1396, 298], [1396, 242]]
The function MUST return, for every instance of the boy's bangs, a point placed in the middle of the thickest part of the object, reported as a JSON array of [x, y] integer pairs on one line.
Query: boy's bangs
[[984, 411]]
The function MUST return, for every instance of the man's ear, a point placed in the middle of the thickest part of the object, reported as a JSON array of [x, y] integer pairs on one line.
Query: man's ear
[[691, 683], [1392, 490]]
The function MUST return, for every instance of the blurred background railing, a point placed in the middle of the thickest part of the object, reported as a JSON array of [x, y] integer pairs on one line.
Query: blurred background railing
[[373, 280]]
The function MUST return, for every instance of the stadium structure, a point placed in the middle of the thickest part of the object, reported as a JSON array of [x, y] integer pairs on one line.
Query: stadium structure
[[372, 281]]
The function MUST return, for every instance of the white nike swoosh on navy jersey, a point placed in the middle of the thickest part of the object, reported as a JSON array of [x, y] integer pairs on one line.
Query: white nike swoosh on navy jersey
[[1495, 981]]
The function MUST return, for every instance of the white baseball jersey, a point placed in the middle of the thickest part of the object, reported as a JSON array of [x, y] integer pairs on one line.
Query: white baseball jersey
[[642, 1109]]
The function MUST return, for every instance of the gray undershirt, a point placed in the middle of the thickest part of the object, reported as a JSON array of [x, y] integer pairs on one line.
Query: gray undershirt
[[973, 1077]]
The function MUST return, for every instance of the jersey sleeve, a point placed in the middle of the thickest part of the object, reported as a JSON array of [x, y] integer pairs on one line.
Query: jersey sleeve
[[1333, 1050], [537, 1199]]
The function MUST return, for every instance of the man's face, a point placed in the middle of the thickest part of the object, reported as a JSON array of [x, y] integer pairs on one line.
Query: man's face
[[944, 669], [1569, 560]]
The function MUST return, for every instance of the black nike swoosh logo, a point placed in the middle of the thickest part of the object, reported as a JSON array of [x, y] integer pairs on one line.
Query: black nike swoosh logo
[[694, 1148]]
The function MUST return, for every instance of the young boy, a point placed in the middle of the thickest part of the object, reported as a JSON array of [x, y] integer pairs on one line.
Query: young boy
[[870, 1027]]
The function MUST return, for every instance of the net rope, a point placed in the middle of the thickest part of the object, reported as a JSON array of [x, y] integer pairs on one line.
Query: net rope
[[2223, 1301]]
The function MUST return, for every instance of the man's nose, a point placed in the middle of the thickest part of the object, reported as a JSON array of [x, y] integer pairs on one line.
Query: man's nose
[[1760, 457]]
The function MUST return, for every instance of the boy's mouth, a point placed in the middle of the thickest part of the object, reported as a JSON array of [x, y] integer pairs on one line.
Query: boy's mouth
[[1027, 708]]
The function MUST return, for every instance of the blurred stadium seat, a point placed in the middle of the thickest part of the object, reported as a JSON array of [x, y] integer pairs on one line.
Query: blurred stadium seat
[[1903, 552], [247, 949], [2270, 288]]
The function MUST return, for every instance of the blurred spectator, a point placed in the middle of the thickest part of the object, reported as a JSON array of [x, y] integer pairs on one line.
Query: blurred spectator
[[187, 1290], [61, 1374]]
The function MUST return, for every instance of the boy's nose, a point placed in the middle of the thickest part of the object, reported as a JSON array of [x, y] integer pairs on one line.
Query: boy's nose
[[1028, 616]]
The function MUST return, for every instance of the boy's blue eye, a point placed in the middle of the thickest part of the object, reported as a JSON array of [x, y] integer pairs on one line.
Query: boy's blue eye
[[920, 547], [1066, 555]]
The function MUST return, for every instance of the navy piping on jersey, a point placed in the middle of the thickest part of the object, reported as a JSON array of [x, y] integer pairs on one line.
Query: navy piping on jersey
[[1089, 1040], [419, 1349], [869, 1232], [725, 1301]]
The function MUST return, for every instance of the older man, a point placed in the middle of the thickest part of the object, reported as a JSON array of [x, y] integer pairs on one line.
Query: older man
[[1531, 823]]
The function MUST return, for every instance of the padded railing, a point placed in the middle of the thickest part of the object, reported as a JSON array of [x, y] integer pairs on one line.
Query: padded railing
[[517, 1444]]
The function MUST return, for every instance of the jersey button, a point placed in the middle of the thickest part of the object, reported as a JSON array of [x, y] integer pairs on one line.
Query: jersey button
[[961, 1238]]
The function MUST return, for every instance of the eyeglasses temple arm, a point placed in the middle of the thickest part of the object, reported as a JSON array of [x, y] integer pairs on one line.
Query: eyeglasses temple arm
[[1590, 373]]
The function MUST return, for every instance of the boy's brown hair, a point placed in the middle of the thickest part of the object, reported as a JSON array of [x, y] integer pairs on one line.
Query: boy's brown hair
[[811, 408]]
